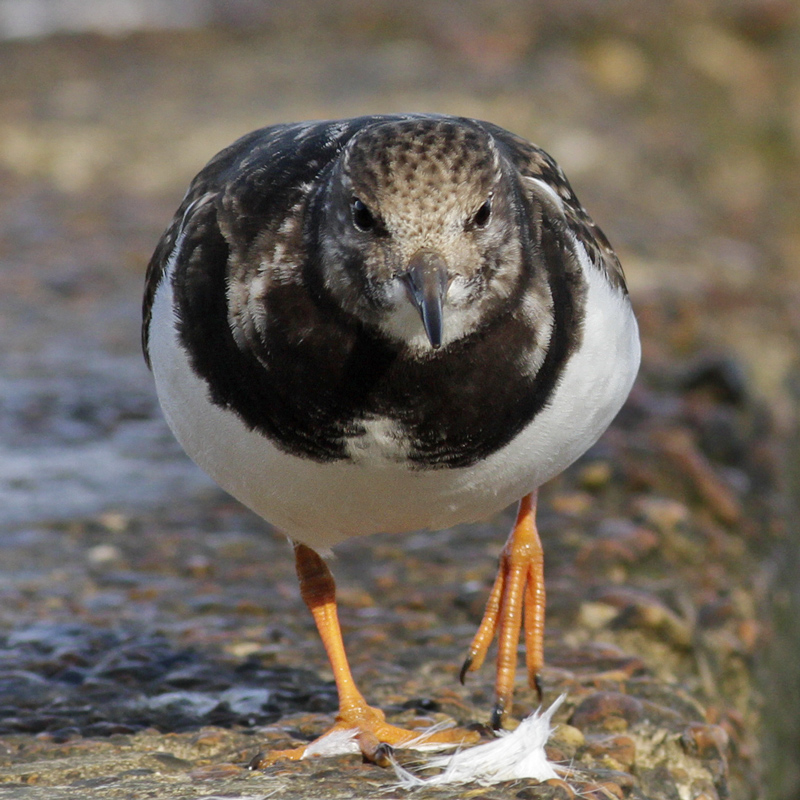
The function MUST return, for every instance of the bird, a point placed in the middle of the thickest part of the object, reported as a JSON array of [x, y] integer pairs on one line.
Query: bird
[[387, 324]]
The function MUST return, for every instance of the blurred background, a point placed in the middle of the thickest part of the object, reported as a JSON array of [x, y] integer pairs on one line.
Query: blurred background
[[678, 124]]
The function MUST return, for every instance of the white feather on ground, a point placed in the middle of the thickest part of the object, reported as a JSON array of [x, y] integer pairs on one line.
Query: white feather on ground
[[512, 756], [345, 742]]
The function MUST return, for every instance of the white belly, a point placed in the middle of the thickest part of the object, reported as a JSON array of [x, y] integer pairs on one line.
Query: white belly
[[323, 504]]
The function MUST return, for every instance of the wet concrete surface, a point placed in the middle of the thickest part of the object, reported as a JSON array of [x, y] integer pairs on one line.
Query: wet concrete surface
[[152, 639]]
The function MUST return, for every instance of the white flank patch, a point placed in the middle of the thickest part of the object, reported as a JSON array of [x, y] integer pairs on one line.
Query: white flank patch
[[512, 756]]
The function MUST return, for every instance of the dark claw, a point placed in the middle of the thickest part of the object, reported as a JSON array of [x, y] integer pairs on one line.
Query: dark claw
[[498, 712], [382, 755], [537, 685], [255, 761], [465, 669]]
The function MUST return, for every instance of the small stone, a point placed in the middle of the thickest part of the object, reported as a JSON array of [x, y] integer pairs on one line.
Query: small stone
[[663, 715], [561, 789], [658, 783], [618, 66], [94, 783], [170, 763], [616, 752], [632, 542], [553, 789], [595, 476], [208, 739], [643, 610], [114, 522], [665, 515], [568, 735], [715, 614], [103, 554], [572, 504], [199, 566], [356, 598], [721, 376], [613, 789], [749, 632], [607, 710], [215, 772], [596, 615], [243, 649], [705, 741]]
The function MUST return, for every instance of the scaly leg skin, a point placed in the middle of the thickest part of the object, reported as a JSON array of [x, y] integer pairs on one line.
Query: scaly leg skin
[[374, 735], [517, 595]]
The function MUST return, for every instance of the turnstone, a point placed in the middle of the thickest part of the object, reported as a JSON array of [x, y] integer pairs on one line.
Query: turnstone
[[386, 324]]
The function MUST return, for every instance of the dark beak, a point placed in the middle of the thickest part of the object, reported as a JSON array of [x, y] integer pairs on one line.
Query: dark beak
[[427, 282]]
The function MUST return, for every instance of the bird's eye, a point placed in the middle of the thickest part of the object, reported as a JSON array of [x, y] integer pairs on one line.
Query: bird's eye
[[362, 216], [480, 219]]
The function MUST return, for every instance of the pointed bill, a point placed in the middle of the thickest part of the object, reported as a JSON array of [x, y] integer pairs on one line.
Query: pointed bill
[[427, 283]]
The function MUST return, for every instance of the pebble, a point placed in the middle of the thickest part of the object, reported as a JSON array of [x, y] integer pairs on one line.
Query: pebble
[[658, 783], [595, 616], [215, 772], [723, 377], [595, 475], [167, 762], [638, 609], [572, 503], [618, 539], [610, 711], [553, 789], [103, 554], [665, 514], [615, 752], [705, 741], [114, 521], [568, 736], [619, 66]]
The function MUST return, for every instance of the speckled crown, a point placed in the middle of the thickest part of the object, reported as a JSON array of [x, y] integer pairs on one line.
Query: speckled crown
[[414, 160]]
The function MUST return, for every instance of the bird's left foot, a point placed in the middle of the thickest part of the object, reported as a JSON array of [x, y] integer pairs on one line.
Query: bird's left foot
[[517, 595], [374, 736]]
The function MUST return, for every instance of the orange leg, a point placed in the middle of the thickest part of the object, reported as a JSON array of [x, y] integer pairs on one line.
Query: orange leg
[[516, 597], [373, 733]]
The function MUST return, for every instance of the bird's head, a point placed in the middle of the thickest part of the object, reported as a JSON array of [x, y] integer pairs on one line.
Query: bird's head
[[420, 234]]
